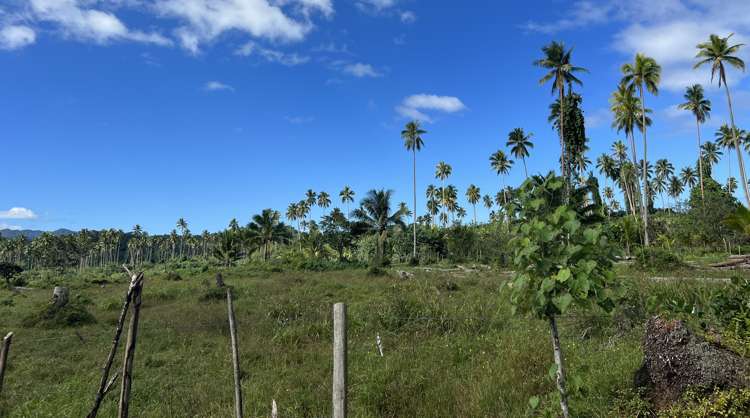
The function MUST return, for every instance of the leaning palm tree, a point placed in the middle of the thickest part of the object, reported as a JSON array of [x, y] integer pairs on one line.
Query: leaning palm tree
[[473, 195], [502, 165], [375, 212], [442, 172], [412, 136], [520, 143], [347, 197], [717, 52], [266, 229], [557, 60], [697, 103], [644, 71]]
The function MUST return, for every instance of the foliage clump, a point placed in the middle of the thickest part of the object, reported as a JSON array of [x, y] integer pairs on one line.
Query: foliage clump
[[726, 403], [654, 258], [72, 314]]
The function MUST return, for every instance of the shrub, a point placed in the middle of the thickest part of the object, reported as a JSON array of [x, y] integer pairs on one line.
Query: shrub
[[50, 316], [172, 276], [657, 259], [214, 294], [728, 403]]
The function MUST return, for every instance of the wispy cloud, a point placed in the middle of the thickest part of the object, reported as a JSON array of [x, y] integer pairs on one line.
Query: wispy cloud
[[360, 70], [16, 36], [217, 86], [17, 213], [416, 106], [272, 55], [408, 17], [9, 226]]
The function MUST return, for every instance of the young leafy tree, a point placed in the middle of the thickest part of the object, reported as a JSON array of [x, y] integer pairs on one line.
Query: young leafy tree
[[8, 271], [412, 136], [473, 194], [520, 143], [717, 52], [561, 259], [561, 71], [375, 213], [697, 103]]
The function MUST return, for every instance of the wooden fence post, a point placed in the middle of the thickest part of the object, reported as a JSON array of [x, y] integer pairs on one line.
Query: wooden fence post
[[105, 383], [339, 360], [235, 357], [127, 364], [4, 357]]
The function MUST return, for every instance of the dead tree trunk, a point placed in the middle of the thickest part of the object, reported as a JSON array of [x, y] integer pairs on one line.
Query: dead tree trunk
[[235, 357], [560, 380], [104, 383], [127, 364], [4, 357]]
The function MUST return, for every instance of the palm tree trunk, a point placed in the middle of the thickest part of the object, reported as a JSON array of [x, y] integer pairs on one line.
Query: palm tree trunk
[[645, 172], [700, 159], [563, 159], [475, 213], [740, 162], [525, 172], [414, 155]]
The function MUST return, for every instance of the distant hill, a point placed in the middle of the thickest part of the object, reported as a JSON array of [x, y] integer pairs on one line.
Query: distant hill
[[31, 234]]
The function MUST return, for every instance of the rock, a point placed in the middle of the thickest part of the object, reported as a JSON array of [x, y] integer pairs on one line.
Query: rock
[[675, 359], [404, 274], [60, 296]]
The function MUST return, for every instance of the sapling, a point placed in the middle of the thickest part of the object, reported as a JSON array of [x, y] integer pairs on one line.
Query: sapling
[[562, 258]]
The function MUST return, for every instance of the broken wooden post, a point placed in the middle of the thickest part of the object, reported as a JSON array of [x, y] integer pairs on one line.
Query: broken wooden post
[[4, 357], [127, 364], [104, 384], [274, 409], [339, 360], [379, 343], [235, 357], [60, 296]]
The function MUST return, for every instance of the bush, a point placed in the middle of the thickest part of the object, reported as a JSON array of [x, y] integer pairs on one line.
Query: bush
[[214, 294], [728, 403], [657, 259], [50, 316], [172, 276]]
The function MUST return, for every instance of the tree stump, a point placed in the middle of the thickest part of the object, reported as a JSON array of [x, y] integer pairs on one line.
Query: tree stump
[[60, 296]]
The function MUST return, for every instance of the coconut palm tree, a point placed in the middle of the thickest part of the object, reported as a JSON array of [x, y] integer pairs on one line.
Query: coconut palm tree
[[717, 51], [412, 136], [375, 212], [520, 143], [502, 165], [324, 201], [664, 170], [710, 153], [266, 229], [607, 166], [697, 103], [473, 195], [675, 188], [688, 177], [644, 71], [182, 225], [561, 71], [442, 172], [347, 197], [311, 198], [487, 201], [731, 185]]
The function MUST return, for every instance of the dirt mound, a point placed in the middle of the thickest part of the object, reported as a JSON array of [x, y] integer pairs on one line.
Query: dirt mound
[[675, 359]]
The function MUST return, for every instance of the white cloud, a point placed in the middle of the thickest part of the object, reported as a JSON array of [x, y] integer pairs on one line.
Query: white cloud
[[11, 227], [205, 20], [217, 86], [375, 5], [16, 36], [77, 21], [272, 55], [666, 30], [408, 17], [17, 213], [414, 106], [360, 70]]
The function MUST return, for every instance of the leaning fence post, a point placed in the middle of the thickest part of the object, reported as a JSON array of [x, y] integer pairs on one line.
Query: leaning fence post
[[127, 364], [4, 357], [235, 357], [104, 383], [339, 360]]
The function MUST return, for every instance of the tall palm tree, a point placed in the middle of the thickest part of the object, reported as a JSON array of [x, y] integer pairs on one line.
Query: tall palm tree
[[473, 195], [644, 71], [412, 136], [664, 170], [520, 143], [266, 229], [675, 188], [710, 153], [347, 197], [502, 165], [324, 201], [731, 185], [375, 212], [725, 139], [688, 177], [717, 52], [607, 166], [442, 172], [697, 103], [561, 71], [182, 225], [487, 201]]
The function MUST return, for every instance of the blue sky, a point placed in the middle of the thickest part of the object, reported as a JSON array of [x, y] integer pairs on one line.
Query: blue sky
[[117, 112]]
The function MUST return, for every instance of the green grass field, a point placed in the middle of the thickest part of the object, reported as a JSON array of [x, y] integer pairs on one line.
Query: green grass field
[[452, 348]]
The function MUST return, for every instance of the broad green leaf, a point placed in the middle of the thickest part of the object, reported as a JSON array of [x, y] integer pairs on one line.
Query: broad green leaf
[[563, 275], [552, 372], [547, 285], [534, 402], [562, 301]]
